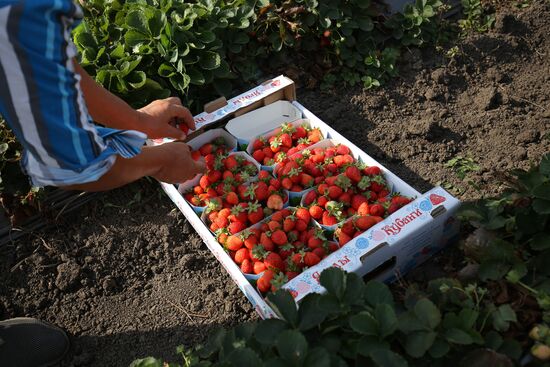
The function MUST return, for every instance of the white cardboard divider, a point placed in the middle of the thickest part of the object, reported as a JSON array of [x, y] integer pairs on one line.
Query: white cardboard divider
[[258, 122], [210, 135]]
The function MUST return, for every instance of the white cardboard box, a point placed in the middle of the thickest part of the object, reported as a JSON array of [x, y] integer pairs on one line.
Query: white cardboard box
[[402, 241]]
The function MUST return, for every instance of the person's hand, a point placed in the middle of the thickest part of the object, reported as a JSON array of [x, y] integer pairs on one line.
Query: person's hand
[[177, 164], [158, 119]]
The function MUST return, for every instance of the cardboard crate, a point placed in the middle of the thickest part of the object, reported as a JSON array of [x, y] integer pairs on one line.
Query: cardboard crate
[[394, 246]]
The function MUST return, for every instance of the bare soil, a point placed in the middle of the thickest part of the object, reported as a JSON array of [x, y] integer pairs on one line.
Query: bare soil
[[128, 277]]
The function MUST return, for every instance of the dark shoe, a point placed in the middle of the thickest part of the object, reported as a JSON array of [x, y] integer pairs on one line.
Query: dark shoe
[[26, 342]]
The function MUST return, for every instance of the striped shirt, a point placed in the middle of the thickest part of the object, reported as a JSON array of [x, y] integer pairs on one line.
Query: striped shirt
[[41, 98]]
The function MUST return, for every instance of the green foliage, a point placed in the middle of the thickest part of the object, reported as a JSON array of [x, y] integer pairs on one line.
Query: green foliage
[[143, 50], [360, 324], [462, 166], [477, 19], [148, 49]]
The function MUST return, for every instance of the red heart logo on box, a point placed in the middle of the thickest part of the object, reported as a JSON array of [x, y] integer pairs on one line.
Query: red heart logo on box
[[436, 199]]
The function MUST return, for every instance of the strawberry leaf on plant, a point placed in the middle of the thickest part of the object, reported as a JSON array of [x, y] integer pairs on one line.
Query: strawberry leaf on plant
[[292, 347]]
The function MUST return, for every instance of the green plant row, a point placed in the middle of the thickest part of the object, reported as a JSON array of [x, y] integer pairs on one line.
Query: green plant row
[[445, 322], [147, 49]]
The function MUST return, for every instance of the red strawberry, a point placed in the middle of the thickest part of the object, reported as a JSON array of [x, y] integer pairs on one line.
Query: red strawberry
[[255, 213], [376, 210], [232, 198], [246, 266], [196, 155], [298, 260], [286, 140], [258, 144], [264, 283], [319, 251], [279, 237], [206, 149], [303, 214], [363, 209], [266, 242], [372, 170], [259, 267], [275, 202], [258, 155], [230, 163], [353, 173], [347, 228], [274, 261], [365, 222], [342, 149], [334, 192], [289, 224], [241, 255], [233, 243], [343, 238], [311, 259], [316, 211], [328, 219], [204, 182]]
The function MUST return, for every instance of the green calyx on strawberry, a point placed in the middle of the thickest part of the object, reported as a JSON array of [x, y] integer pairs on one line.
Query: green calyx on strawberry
[[275, 143], [320, 234], [250, 191], [280, 157], [343, 182], [245, 234], [364, 183], [259, 252], [335, 209], [294, 172], [213, 204], [252, 207], [278, 281], [287, 128], [218, 162], [304, 141], [236, 210], [306, 152]]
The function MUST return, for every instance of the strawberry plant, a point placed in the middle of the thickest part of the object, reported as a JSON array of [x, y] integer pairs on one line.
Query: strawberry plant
[[363, 324], [143, 50]]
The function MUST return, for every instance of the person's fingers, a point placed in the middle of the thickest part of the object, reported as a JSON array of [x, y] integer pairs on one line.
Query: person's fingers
[[200, 166], [169, 131], [174, 100], [182, 113]]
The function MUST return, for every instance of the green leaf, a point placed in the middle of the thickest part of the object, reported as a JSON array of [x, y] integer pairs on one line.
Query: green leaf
[[458, 336], [364, 323], [419, 342], [136, 20], [3, 148], [268, 330], [492, 269], [146, 362], [244, 357], [541, 206], [292, 347], [387, 358], [385, 315], [428, 313], [517, 272], [439, 348], [493, 340], [544, 167], [503, 316], [355, 289], [180, 82], [166, 70], [311, 315], [368, 344], [156, 21], [542, 191], [284, 305], [362, 4], [196, 76], [210, 60], [85, 40], [365, 24], [136, 79], [134, 38], [540, 242], [205, 36], [377, 292], [408, 322], [118, 52], [468, 318], [334, 281], [317, 357]]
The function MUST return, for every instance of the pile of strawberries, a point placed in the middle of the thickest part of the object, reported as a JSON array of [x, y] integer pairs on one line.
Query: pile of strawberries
[[358, 224], [286, 141], [357, 190], [244, 205], [279, 248], [309, 168], [224, 173], [217, 146]]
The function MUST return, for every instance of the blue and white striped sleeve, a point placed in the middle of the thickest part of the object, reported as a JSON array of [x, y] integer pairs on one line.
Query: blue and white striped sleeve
[[41, 99]]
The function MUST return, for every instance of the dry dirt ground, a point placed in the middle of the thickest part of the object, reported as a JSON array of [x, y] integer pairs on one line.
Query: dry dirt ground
[[128, 277]]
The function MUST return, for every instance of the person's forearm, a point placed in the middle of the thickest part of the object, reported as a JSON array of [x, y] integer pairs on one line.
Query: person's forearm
[[105, 107], [124, 171]]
